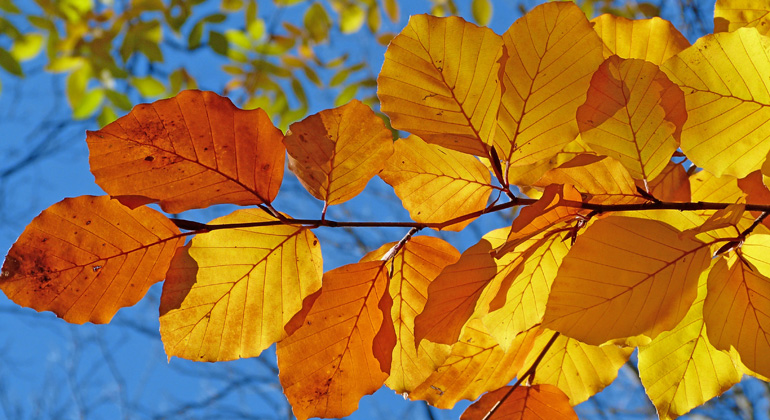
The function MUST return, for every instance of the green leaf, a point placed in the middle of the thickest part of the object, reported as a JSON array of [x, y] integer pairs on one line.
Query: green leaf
[[299, 91], [373, 20], [352, 19], [238, 38], [346, 95], [340, 77], [391, 8], [218, 43], [107, 116], [148, 86], [232, 5], [256, 29], [8, 7], [77, 82], [27, 47], [119, 99], [89, 104], [482, 11], [317, 22], [9, 63]]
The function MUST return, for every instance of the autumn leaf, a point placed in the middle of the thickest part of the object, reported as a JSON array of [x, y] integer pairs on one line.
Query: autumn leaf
[[527, 175], [730, 15], [727, 101], [328, 363], [336, 152], [229, 292], [625, 280], [189, 151], [654, 40], [523, 403], [437, 184], [553, 51], [672, 184], [680, 369], [415, 266], [440, 81], [86, 257]]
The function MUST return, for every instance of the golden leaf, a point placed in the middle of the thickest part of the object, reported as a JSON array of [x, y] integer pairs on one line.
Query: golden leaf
[[524, 403], [672, 184], [654, 40], [730, 15]]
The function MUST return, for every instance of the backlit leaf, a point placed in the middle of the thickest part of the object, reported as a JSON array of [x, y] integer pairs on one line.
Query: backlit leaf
[[654, 40], [229, 293], [634, 114], [727, 217], [672, 184], [327, 364], [414, 268], [440, 81], [524, 403], [482, 11], [625, 280], [730, 15], [86, 257], [476, 364], [727, 99], [436, 184], [553, 51], [579, 370], [336, 152], [680, 369], [190, 151]]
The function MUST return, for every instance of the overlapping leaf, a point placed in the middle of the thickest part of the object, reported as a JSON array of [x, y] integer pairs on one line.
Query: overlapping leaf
[[415, 266], [672, 184], [327, 364], [527, 175], [728, 101], [229, 293], [654, 40], [553, 51], [579, 370], [189, 151], [524, 403], [336, 152], [436, 184], [634, 114], [730, 15], [440, 81], [625, 280], [86, 257], [680, 369]]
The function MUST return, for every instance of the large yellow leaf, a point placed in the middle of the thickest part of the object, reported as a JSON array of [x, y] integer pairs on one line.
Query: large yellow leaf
[[580, 370], [625, 280], [524, 403], [553, 51], [735, 311], [440, 81], [680, 369], [415, 266], [336, 152], [190, 151], [477, 364], [730, 15], [86, 257], [654, 40], [436, 184], [229, 293], [527, 175], [329, 363], [728, 101], [706, 187], [633, 113]]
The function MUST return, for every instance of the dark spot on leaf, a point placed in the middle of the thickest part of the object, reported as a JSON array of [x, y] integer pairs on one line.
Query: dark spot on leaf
[[149, 158], [88, 222]]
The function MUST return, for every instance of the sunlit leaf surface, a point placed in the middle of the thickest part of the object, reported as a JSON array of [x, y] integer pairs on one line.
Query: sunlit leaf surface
[[654, 40], [730, 15], [524, 403]]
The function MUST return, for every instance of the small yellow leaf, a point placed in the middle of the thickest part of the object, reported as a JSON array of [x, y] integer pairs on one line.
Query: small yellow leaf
[[440, 81], [524, 403], [654, 40], [482, 11], [336, 152], [730, 15], [436, 184]]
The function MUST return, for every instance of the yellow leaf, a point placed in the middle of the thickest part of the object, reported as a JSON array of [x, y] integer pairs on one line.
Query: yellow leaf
[[625, 280], [440, 81], [229, 293], [707, 187], [336, 152], [436, 184], [327, 364], [482, 11], [553, 51], [730, 15], [414, 268], [729, 216], [654, 40], [727, 99], [527, 175], [86, 257], [476, 364], [680, 369], [672, 184], [580, 370], [190, 151], [524, 403], [633, 113]]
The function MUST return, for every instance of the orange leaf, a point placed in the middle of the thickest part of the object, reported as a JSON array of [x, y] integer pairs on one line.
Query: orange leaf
[[672, 184], [476, 365], [634, 114], [86, 257], [625, 280], [190, 151], [336, 152], [329, 363], [415, 266], [654, 40], [440, 81], [524, 403], [553, 51], [436, 184], [229, 293]]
